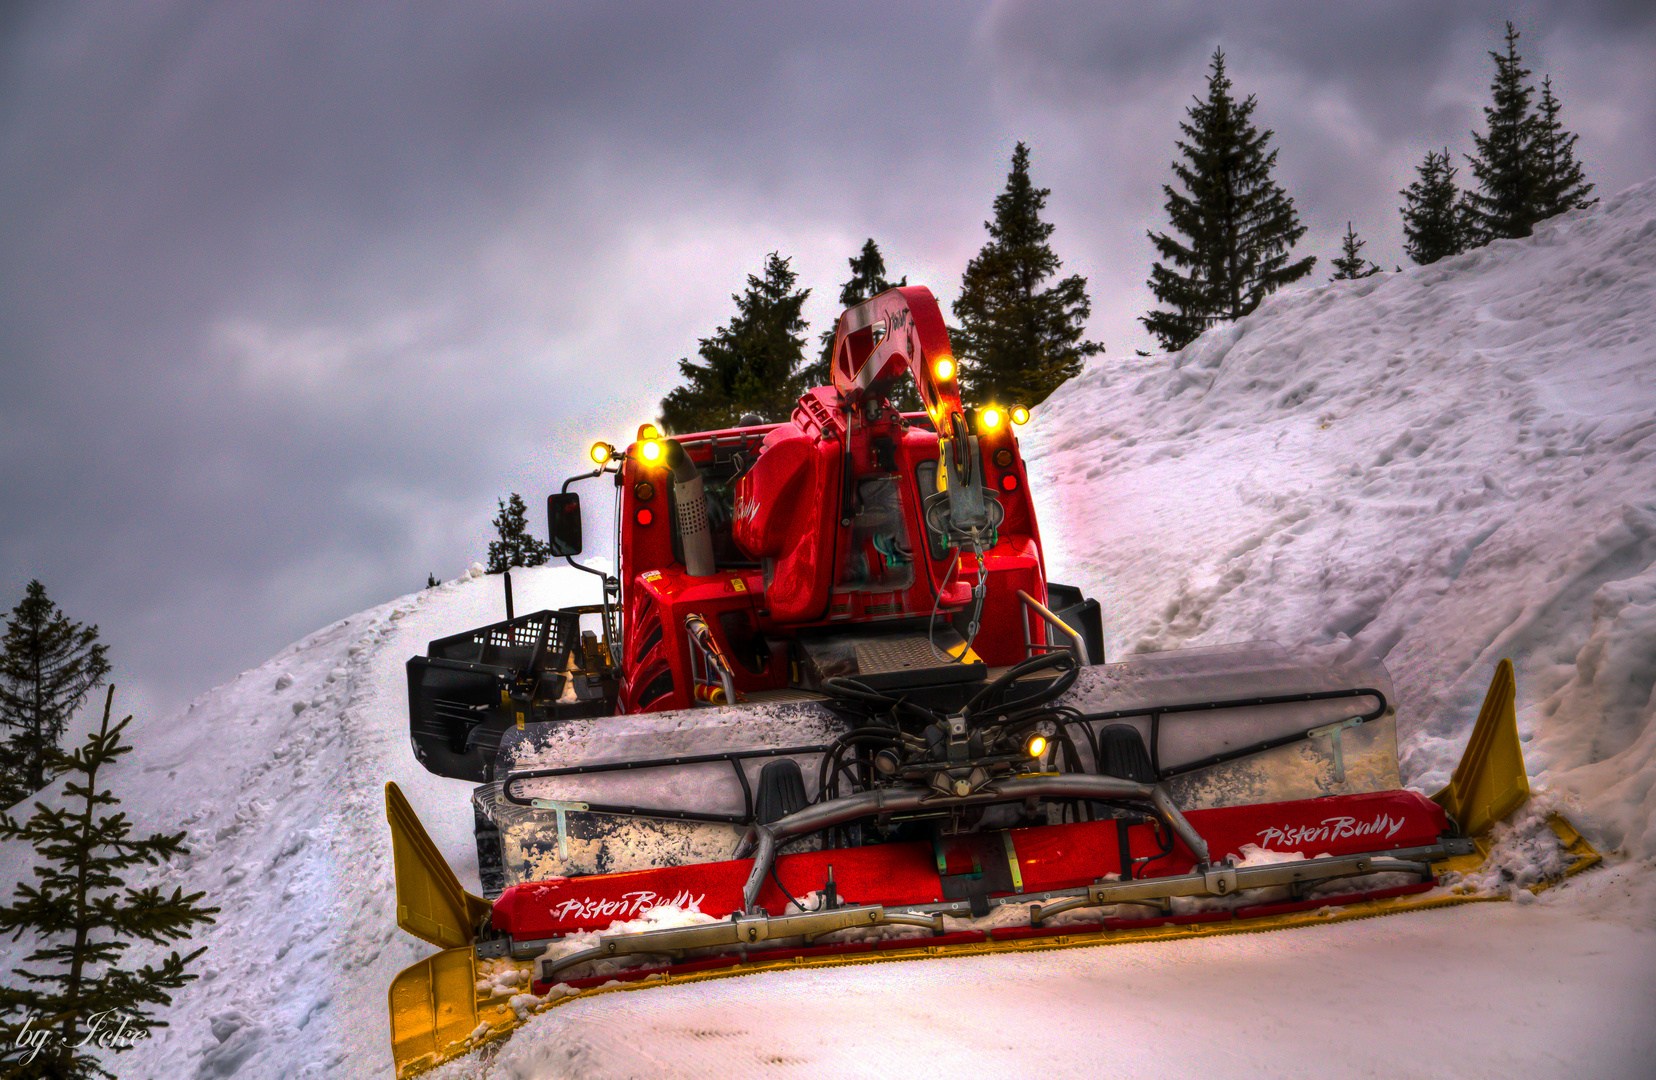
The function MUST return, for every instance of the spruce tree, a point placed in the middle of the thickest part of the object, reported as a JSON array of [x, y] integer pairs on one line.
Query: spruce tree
[[48, 665], [516, 546], [1434, 212], [752, 364], [1018, 341], [1240, 226], [1351, 263], [1559, 185], [85, 917], [1505, 205], [868, 279]]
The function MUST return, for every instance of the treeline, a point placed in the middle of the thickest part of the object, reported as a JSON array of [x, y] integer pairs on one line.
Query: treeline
[[1018, 334], [1019, 329], [1234, 228], [71, 1004]]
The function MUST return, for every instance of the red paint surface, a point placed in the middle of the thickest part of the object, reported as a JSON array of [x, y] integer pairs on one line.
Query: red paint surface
[[1049, 857]]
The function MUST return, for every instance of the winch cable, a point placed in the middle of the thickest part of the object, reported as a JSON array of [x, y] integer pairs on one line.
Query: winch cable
[[939, 522]]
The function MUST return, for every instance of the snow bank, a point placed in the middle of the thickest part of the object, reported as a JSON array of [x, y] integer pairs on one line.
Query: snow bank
[[1439, 467]]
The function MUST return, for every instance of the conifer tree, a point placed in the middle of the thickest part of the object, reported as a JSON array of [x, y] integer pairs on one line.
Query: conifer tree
[[1240, 226], [1351, 263], [1434, 212], [1018, 341], [516, 546], [85, 917], [1505, 205], [752, 364], [868, 279], [48, 665], [1559, 185]]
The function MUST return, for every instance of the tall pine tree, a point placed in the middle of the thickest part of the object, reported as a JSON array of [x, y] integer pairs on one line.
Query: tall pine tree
[[1351, 263], [517, 546], [1505, 203], [1240, 226], [1559, 184], [48, 665], [1018, 341], [1434, 212], [752, 364], [86, 916], [868, 279]]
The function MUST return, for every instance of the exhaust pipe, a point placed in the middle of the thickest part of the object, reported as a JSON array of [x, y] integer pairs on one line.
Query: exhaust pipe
[[690, 510]]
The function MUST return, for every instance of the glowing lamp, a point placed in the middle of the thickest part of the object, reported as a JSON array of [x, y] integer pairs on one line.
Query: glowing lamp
[[644, 516], [602, 452], [990, 419], [1020, 415], [650, 450], [1037, 745], [945, 368], [648, 431]]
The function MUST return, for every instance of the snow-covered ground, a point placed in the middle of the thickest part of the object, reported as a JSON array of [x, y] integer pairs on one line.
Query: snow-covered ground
[[1440, 467]]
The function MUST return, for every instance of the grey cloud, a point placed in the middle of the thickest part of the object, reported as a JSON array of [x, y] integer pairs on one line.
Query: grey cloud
[[289, 292]]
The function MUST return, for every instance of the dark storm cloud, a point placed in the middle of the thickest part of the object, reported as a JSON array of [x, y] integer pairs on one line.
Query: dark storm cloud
[[289, 292]]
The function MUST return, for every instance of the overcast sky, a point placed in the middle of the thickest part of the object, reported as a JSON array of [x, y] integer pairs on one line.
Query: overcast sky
[[290, 292]]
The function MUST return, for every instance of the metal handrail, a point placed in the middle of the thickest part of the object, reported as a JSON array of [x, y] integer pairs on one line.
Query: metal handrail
[[1077, 644]]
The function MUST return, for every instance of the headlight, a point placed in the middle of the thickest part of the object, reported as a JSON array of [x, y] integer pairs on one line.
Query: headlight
[[944, 368], [602, 452], [990, 419], [650, 450], [1020, 415]]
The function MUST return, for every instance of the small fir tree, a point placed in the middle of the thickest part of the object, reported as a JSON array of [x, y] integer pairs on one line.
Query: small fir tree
[[86, 917], [1351, 263], [48, 665], [431, 579], [1559, 184], [752, 364], [1240, 226], [516, 546], [868, 279], [1018, 341], [1505, 204], [1434, 212]]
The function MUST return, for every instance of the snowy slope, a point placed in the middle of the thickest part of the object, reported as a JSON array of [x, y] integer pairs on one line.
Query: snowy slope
[[1442, 467]]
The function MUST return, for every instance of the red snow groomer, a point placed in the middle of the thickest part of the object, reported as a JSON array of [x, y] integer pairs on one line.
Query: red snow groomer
[[830, 710]]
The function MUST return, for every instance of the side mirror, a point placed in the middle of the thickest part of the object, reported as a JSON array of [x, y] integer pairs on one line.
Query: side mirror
[[563, 519]]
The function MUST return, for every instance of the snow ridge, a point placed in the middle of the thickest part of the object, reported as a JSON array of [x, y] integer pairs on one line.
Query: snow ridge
[[1438, 467]]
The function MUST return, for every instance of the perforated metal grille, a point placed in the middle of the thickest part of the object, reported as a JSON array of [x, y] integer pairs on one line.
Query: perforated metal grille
[[692, 517], [900, 654]]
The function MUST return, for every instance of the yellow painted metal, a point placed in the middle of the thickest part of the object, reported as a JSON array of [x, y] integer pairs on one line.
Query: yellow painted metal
[[1490, 782], [1576, 844], [503, 1021], [431, 905]]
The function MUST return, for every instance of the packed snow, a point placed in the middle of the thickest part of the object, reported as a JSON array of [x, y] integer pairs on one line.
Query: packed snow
[[1437, 468]]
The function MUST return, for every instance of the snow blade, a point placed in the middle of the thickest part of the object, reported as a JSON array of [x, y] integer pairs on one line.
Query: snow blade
[[433, 1010], [1490, 781], [431, 905]]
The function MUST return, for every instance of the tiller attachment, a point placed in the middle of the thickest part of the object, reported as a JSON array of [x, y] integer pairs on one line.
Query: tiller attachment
[[1138, 865]]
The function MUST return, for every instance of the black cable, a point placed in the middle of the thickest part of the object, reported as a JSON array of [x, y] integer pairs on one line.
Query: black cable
[[778, 879]]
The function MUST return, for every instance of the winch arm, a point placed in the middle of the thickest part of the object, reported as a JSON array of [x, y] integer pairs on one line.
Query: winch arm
[[900, 330]]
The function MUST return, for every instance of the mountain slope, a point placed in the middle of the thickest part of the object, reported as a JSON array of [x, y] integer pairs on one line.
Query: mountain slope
[[1440, 467]]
